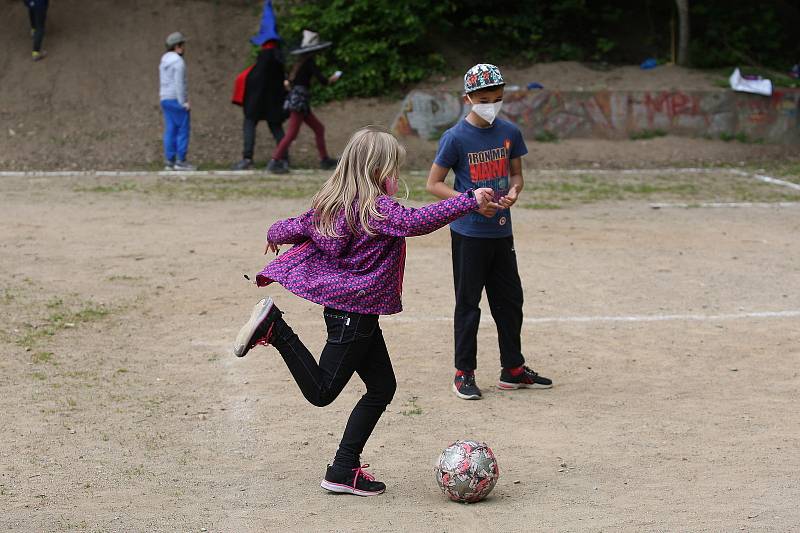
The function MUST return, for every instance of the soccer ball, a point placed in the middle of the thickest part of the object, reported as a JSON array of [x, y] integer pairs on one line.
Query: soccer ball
[[467, 471]]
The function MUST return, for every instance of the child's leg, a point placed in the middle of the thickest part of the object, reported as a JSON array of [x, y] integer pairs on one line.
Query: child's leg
[[295, 120], [319, 134], [39, 17], [249, 136], [184, 118], [349, 339], [504, 292], [170, 131], [375, 370], [472, 258]]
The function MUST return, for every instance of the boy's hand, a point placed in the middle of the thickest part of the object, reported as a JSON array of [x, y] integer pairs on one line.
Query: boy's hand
[[486, 206], [271, 247], [510, 198]]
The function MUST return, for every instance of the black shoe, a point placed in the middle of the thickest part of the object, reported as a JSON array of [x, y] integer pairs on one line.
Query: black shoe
[[465, 388], [278, 166], [328, 163], [244, 164], [351, 481], [527, 379], [258, 329]]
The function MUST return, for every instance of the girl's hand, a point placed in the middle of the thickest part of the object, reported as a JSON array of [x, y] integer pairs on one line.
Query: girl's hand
[[486, 206], [271, 247], [510, 198]]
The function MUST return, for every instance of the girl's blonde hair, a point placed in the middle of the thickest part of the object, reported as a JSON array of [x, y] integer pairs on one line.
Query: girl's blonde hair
[[371, 157]]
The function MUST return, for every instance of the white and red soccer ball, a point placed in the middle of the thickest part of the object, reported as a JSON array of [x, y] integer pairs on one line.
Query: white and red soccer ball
[[467, 471]]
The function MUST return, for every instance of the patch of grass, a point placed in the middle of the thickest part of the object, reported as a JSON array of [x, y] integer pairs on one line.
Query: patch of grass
[[411, 407], [547, 190], [541, 205], [60, 318], [646, 134], [124, 186], [546, 137], [741, 137], [124, 277], [39, 358], [41, 376]]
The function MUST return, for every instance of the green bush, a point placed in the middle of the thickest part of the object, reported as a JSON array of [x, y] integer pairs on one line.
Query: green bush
[[378, 44]]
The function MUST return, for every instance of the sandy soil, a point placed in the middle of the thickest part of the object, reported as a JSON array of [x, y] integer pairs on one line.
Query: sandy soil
[[93, 103], [141, 420]]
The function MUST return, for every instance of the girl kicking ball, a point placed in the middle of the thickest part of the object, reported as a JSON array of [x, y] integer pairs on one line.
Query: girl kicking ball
[[348, 256]]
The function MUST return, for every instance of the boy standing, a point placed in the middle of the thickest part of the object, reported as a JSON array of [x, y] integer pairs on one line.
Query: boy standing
[[174, 97], [484, 151]]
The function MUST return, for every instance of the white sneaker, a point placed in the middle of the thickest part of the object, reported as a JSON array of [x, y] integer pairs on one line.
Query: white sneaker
[[183, 165], [257, 328]]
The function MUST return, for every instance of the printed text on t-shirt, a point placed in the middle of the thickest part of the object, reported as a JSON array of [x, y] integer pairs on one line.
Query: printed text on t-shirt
[[489, 164]]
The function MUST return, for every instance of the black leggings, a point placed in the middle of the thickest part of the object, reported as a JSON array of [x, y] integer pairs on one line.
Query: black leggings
[[355, 344], [38, 16]]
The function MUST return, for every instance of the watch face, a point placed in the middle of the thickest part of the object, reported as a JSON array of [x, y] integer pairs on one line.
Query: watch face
[[502, 221]]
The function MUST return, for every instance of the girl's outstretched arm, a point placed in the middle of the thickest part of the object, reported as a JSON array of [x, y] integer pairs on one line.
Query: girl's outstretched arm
[[402, 221], [291, 230]]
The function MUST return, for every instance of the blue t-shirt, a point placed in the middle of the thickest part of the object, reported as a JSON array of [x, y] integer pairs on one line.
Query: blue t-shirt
[[481, 157]]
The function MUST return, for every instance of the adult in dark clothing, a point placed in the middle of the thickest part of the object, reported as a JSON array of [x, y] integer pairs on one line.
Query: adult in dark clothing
[[264, 92], [264, 95], [299, 106], [37, 13]]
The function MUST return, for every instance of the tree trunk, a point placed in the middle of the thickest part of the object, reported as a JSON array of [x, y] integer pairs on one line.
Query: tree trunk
[[683, 32]]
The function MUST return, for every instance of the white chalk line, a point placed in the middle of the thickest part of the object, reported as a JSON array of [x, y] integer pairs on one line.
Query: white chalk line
[[767, 179], [724, 205], [137, 173], [775, 181], [793, 313]]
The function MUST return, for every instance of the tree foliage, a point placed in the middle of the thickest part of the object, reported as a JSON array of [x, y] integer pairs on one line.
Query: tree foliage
[[385, 45]]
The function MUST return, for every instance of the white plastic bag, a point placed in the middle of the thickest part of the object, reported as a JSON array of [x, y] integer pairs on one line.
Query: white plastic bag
[[738, 83]]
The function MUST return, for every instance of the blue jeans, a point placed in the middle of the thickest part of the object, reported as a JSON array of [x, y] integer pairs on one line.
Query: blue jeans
[[177, 126]]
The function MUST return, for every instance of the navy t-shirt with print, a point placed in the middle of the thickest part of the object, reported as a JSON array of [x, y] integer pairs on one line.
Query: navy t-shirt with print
[[481, 157]]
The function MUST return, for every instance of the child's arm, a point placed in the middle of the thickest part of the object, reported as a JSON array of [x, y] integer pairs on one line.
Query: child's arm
[[402, 221], [290, 230], [437, 187]]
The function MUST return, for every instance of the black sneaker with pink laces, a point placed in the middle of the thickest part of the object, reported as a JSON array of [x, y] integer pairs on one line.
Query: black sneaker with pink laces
[[352, 481]]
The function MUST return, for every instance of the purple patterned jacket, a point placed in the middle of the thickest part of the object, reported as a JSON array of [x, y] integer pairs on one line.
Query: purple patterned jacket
[[358, 272]]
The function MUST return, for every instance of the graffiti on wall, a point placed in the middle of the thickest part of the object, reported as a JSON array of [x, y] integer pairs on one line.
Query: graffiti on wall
[[617, 114]]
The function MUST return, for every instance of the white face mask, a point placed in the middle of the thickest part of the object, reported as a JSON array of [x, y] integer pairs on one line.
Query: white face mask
[[487, 112]]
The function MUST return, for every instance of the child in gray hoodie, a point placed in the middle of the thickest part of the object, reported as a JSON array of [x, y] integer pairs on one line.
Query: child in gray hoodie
[[174, 97]]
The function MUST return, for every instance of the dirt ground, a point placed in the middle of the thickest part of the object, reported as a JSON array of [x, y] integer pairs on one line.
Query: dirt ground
[[671, 335], [93, 103]]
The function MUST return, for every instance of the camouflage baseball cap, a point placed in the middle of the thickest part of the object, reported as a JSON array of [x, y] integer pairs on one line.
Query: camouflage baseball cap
[[482, 76]]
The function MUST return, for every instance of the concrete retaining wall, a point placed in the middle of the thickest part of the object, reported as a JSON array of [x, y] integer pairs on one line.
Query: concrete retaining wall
[[617, 114]]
